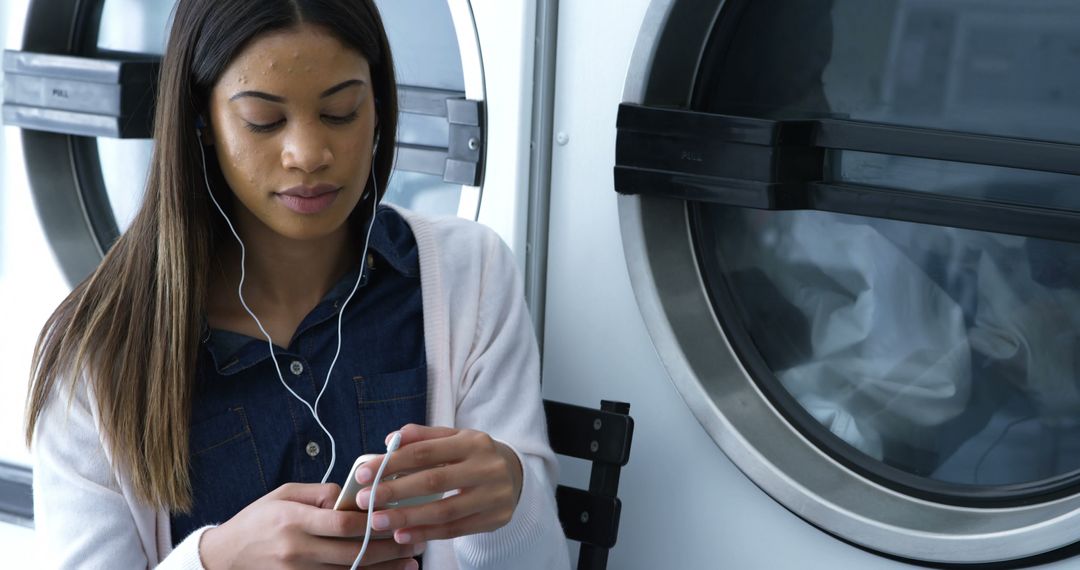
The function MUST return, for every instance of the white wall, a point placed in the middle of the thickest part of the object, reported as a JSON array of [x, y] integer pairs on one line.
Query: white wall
[[16, 545]]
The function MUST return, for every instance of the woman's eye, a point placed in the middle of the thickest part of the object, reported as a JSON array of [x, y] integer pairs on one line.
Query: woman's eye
[[336, 120], [255, 128], [332, 119]]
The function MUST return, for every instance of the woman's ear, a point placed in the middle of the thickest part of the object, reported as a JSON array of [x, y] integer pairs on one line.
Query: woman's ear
[[202, 130]]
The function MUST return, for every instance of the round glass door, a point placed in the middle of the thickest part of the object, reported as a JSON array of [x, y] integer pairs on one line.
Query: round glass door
[[854, 234], [951, 356]]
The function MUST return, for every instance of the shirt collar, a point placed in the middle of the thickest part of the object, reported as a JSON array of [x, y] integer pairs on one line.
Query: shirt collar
[[391, 241]]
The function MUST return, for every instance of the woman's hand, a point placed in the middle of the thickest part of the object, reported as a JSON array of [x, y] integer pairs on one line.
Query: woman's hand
[[486, 474], [294, 527]]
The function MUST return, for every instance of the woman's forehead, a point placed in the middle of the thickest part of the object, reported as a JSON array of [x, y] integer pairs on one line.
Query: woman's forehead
[[302, 58]]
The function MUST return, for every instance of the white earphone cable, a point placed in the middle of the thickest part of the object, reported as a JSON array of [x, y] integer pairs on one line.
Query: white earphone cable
[[363, 264], [395, 441], [269, 341]]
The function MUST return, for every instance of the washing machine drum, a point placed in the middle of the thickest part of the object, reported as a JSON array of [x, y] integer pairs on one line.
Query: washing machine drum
[[854, 230], [82, 89]]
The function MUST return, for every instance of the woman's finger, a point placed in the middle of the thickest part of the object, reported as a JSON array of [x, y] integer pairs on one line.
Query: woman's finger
[[329, 523], [430, 453], [386, 552], [407, 564], [412, 433], [436, 481], [484, 521], [315, 494], [344, 552], [415, 457], [444, 511]]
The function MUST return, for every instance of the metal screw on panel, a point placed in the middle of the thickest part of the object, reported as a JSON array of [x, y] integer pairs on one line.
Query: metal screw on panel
[[584, 516], [474, 143], [594, 446], [562, 138], [596, 424]]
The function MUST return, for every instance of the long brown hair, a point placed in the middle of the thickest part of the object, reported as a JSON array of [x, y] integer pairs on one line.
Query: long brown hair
[[131, 330]]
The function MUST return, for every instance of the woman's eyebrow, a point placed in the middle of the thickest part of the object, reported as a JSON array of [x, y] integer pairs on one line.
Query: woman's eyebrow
[[280, 99], [340, 86]]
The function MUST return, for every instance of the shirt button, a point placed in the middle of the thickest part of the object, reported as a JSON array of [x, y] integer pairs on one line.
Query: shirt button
[[296, 367], [312, 449]]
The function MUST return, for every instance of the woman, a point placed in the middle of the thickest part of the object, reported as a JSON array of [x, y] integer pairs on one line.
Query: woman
[[167, 435]]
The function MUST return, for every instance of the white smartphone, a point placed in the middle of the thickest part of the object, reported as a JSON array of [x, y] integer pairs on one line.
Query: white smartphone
[[346, 501]]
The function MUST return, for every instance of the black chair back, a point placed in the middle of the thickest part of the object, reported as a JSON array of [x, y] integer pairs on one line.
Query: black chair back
[[591, 516]]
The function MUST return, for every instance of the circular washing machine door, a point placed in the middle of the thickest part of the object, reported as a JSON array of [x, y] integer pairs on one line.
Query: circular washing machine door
[[853, 229], [82, 90]]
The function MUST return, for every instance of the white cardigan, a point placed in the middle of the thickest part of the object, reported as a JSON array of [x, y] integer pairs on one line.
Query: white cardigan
[[483, 374]]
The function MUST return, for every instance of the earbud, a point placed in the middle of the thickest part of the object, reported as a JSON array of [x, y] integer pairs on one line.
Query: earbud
[[395, 441]]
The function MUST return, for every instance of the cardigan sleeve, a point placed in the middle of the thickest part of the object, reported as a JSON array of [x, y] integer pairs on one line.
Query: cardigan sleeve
[[82, 517], [500, 395]]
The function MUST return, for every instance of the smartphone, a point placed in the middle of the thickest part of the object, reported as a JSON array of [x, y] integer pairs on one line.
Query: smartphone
[[346, 501]]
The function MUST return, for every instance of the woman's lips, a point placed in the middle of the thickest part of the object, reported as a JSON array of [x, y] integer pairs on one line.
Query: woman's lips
[[312, 205]]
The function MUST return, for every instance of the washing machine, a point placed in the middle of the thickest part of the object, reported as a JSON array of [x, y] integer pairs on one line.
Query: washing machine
[[828, 253], [78, 102]]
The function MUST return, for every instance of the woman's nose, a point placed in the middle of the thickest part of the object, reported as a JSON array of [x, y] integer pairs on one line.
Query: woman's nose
[[306, 148]]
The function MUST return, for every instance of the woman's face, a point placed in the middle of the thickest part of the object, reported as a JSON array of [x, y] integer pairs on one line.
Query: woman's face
[[292, 119]]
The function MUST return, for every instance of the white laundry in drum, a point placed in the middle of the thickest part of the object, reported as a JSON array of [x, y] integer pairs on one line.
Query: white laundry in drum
[[888, 354], [950, 354], [1028, 334]]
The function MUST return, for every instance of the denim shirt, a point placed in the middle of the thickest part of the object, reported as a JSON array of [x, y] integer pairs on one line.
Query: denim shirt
[[249, 435]]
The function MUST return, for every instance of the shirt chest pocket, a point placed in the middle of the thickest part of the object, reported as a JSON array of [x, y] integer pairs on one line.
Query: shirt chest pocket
[[389, 400], [226, 471]]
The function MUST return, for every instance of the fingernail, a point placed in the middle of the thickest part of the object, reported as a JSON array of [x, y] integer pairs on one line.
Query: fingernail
[[380, 522], [363, 475], [389, 436], [412, 565], [402, 537], [362, 499]]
